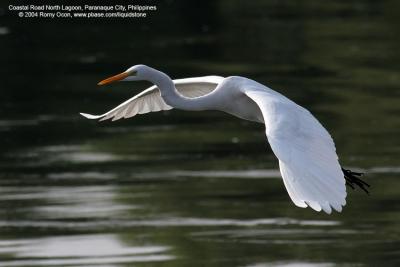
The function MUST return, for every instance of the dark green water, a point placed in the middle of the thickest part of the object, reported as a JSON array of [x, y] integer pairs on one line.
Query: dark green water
[[195, 189]]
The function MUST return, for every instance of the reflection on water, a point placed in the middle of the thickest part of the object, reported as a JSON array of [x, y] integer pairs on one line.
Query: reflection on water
[[162, 222], [196, 189], [292, 264], [79, 250], [4, 31]]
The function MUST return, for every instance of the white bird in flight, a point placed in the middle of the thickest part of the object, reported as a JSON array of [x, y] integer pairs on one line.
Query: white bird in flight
[[307, 156]]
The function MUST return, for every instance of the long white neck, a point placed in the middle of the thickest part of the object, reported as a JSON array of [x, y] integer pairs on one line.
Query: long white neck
[[171, 95]]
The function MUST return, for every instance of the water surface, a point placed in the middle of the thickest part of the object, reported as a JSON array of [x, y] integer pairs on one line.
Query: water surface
[[195, 189]]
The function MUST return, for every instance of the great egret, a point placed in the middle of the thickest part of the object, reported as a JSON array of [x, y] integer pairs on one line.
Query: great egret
[[307, 159]]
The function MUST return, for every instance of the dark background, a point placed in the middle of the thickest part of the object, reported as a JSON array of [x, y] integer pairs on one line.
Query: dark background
[[189, 186]]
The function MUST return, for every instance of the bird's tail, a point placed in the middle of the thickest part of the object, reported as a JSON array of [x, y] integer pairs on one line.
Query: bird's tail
[[353, 180]]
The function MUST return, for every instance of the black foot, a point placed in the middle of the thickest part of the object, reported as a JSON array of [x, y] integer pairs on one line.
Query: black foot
[[352, 179]]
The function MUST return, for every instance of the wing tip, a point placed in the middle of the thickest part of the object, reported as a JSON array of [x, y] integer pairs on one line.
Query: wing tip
[[327, 207], [90, 116]]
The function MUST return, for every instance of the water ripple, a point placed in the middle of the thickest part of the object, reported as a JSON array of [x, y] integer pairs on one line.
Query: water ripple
[[293, 264], [80, 250], [163, 222], [255, 174]]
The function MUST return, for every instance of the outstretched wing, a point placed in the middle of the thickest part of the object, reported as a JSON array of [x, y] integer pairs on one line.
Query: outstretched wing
[[306, 152], [150, 100]]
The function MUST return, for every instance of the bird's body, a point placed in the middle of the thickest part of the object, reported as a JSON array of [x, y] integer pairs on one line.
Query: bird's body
[[306, 152], [231, 98]]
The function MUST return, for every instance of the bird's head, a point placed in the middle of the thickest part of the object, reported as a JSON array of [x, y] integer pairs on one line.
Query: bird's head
[[134, 73]]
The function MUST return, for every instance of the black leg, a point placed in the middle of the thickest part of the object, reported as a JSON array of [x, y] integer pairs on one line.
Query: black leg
[[352, 179]]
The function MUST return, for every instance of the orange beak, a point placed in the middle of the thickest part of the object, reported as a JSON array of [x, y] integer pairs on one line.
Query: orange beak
[[114, 78]]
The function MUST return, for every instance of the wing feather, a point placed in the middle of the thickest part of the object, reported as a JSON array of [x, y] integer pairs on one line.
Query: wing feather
[[150, 100], [307, 156]]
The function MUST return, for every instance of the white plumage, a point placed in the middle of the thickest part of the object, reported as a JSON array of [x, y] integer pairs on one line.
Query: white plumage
[[150, 100], [307, 156], [306, 152]]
